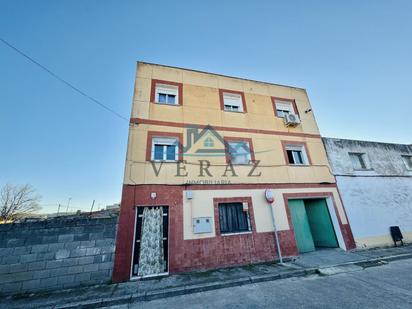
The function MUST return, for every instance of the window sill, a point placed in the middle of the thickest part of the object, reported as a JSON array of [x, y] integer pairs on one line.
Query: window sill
[[238, 233], [167, 104], [299, 165], [163, 161], [234, 112]]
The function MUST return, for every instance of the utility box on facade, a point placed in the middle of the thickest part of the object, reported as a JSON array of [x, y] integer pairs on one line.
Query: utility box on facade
[[202, 225]]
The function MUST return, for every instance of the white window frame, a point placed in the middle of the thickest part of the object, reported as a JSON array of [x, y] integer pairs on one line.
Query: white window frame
[[407, 159], [165, 141], [167, 90], [357, 165], [232, 102], [283, 107], [248, 155], [300, 148]]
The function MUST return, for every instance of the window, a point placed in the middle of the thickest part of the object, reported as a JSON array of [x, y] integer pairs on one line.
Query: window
[[239, 152], [233, 218], [232, 102], [296, 155], [283, 108], [407, 159], [167, 94], [358, 160], [165, 149]]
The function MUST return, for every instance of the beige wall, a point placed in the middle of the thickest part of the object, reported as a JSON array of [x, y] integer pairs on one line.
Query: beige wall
[[267, 148], [201, 106], [201, 100], [201, 205]]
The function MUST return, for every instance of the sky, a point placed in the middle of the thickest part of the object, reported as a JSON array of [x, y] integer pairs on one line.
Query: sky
[[352, 57]]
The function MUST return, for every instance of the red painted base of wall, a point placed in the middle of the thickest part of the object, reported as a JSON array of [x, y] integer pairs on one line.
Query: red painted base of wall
[[200, 254]]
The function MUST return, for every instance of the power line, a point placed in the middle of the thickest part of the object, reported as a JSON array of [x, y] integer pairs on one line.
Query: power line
[[107, 108]]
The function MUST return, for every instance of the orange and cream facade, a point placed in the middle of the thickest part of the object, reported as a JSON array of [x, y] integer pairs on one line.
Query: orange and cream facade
[[202, 151]]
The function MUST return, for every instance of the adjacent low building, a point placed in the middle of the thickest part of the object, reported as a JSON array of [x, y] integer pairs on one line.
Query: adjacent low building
[[203, 149], [375, 183]]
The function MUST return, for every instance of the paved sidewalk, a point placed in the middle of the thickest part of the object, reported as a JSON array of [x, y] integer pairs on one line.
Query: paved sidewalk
[[310, 263]]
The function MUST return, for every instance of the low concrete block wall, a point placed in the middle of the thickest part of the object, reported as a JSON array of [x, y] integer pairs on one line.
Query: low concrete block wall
[[56, 253]]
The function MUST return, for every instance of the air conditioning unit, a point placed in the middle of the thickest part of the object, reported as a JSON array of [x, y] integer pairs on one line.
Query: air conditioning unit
[[291, 120]]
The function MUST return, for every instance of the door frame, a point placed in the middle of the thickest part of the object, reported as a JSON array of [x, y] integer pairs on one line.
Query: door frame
[[331, 204], [133, 277]]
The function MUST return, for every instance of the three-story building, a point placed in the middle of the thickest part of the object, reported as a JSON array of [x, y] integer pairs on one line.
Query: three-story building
[[203, 149]]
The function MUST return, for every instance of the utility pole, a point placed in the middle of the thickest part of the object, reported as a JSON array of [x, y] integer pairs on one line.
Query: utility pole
[[91, 209], [58, 210], [68, 203]]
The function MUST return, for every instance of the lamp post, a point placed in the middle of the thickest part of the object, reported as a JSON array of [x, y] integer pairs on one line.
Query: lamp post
[[270, 199]]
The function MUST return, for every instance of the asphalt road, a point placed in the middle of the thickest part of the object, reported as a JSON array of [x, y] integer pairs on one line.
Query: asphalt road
[[387, 286]]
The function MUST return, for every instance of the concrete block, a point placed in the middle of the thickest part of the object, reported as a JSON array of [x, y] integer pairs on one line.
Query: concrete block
[[109, 233], [21, 250], [48, 282], [64, 280], [107, 242], [28, 258], [107, 265], [78, 252], [50, 239], [22, 276], [30, 285], [39, 248], [62, 254], [74, 269], [72, 245], [66, 238], [37, 265], [90, 267], [99, 258], [93, 251], [11, 287], [81, 278], [94, 229], [70, 262], [45, 256], [81, 237], [33, 240], [85, 260], [15, 242], [100, 275], [6, 251], [96, 236], [108, 249], [57, 272], [54, 264], [5, 269], [15, 268], [87, 244], [55, 247], [40, 274], [11, 259]]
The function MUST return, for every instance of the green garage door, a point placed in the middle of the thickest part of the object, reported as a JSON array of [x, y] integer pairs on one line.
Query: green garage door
[[320, 223], [301, 226]]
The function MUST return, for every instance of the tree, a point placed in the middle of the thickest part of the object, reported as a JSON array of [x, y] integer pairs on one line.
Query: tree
[[17, 201]]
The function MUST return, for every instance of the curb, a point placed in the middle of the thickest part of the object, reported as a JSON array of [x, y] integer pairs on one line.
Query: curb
[[190, 289], [171, 292]]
